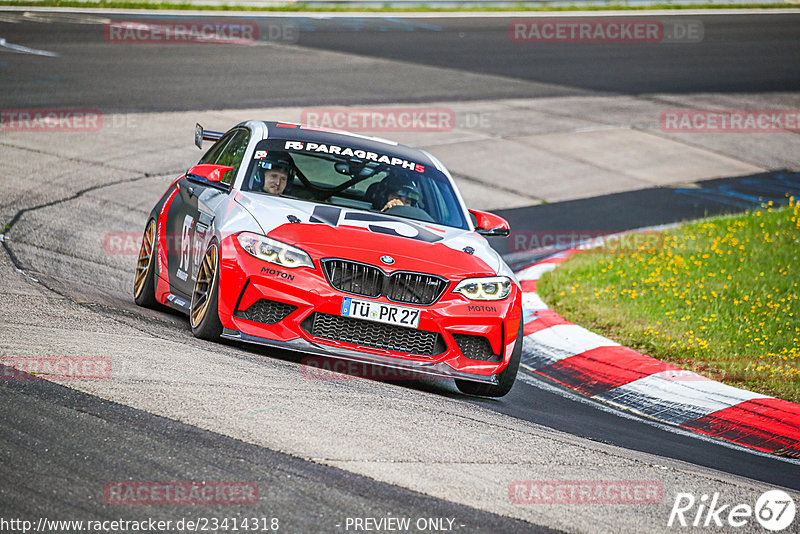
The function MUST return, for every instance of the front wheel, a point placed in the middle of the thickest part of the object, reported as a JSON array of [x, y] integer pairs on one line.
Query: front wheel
[[506, 377], [204, 312]]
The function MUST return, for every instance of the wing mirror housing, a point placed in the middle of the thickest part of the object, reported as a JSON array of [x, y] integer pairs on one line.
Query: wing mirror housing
[[209, 172], [489, 224]]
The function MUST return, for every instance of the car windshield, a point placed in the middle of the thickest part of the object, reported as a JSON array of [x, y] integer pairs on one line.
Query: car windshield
[[354, 178]]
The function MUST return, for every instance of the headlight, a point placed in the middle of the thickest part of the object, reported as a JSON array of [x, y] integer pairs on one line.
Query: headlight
[[493, 288], [274, 251]]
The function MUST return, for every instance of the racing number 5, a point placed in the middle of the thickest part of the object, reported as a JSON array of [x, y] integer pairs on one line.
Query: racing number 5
[[186, 243]]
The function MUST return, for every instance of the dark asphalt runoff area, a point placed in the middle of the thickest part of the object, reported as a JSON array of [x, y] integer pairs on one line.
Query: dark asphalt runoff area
[[106, 441], [748, 53], [736, 54]]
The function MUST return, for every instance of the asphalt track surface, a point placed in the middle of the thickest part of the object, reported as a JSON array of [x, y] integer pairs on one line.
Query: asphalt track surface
[[140, 446], [735, 57], [753, 53]]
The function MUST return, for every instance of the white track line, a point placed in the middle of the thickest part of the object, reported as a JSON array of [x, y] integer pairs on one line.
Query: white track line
[[24, 49]]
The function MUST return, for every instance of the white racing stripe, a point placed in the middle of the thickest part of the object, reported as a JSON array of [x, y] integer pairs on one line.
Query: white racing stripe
[[676, 396], [24, 49], [558, 342]]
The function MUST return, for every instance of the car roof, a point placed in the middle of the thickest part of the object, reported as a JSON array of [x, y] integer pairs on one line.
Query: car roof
[[299, 132]]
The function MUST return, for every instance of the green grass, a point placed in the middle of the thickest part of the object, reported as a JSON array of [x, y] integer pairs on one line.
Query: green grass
[[301, 7], [720, 297]]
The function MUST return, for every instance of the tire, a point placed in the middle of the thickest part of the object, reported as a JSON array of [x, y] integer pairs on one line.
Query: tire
[[505, 380], [204, 312], [144, 279]]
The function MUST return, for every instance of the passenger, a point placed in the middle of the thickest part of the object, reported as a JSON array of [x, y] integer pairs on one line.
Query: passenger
[[402, 191]]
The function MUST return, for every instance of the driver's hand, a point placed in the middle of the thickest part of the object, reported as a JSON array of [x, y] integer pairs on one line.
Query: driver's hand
[[392, 203]]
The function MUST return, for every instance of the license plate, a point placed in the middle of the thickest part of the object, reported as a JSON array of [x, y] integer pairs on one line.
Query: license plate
[[380, 312]]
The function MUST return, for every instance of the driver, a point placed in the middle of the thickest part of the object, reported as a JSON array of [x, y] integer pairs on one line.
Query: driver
[[275, 172], [402, 191]]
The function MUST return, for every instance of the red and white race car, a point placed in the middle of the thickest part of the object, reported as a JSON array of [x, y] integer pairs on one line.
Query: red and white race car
[[335, 244]]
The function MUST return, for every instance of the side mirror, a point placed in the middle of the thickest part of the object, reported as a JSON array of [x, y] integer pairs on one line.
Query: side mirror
[[489, 224], [212, 173]]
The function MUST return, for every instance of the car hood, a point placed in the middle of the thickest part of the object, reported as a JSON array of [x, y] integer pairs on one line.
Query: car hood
[[326, 231]]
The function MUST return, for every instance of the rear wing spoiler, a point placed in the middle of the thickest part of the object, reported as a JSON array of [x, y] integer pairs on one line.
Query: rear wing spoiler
[[201, 135]]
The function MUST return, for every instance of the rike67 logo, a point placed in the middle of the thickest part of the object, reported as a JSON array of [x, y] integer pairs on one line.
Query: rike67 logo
[[774, 510]]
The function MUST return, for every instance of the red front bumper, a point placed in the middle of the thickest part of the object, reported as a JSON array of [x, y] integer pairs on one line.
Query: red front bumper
[[244, 279]]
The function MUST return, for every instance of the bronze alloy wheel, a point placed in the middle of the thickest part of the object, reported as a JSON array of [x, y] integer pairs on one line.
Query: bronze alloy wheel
[[145, 261], [204, 286]]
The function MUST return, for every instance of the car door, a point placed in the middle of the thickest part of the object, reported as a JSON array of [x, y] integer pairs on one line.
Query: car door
[[181, 222], [208, 196], [182, 225]]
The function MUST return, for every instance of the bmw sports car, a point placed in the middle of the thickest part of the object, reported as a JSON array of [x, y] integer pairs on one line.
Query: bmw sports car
[[335, 244]]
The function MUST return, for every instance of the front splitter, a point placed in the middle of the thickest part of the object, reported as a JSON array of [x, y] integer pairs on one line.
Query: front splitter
[[439, 370]]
